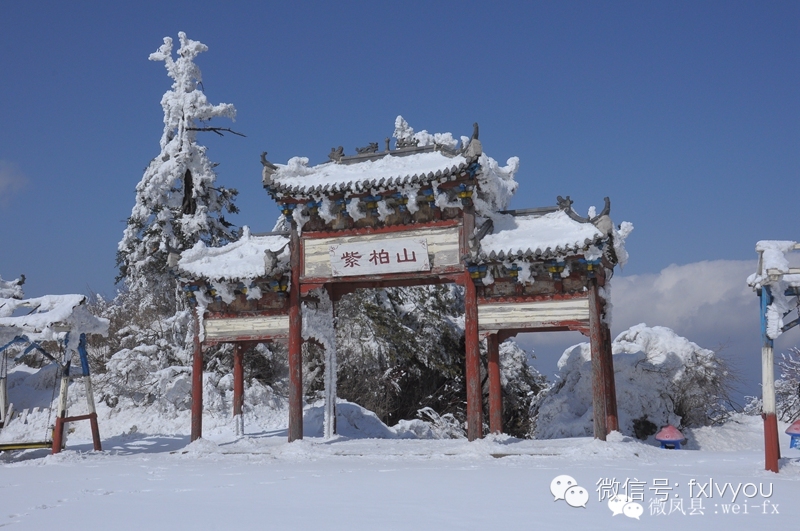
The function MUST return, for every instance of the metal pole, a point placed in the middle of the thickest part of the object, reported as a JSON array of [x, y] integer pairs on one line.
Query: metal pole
[[295, 343], [772, 449], [495, 388]]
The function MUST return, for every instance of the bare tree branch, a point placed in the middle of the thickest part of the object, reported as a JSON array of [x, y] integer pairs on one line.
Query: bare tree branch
[[217, 130]]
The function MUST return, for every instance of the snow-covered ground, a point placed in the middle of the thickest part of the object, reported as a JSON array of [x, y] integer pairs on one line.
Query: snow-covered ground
[[158, 481]]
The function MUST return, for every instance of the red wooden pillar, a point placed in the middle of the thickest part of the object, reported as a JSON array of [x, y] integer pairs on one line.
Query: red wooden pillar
[[295, 343], [471, 339], [98, 447], [596, 340], [495, 389], [610, 386], [197, 380], [238, 378], [238, 385]]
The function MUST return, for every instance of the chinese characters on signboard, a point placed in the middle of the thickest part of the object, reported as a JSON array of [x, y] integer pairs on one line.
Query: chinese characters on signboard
[[377, 257]]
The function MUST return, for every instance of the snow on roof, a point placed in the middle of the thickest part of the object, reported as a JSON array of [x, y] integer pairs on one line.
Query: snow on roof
[[246, 258], [775, 271], [297, 177], [773, 265], [541, 236], [432, 158], [49, 318]]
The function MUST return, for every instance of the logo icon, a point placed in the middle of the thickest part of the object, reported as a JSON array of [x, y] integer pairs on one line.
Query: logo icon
[[565, 488], [621, 504]]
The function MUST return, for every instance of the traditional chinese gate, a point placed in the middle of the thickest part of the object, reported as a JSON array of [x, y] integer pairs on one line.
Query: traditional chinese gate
[[407, 217]]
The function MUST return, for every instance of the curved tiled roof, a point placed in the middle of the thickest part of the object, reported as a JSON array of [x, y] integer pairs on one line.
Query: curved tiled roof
[[239, 260], [538, 236], [390, 171]]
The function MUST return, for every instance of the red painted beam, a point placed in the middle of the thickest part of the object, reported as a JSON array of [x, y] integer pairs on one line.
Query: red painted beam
[[436, 275], [248, 339], [495, 388], [533, 298], [197, 382], [381, 230], [295, 343], [209, 315]]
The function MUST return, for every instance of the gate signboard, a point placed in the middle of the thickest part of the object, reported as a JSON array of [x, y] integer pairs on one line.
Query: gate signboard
[[376, 257]]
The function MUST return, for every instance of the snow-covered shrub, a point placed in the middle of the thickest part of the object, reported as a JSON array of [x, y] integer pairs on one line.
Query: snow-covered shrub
[[442, 426], [661, 378], [521, 385]]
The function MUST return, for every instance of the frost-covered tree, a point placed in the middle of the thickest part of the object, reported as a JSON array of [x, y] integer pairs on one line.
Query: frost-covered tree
[[401, 355], [177, 200], [661, 378], [787, 389]]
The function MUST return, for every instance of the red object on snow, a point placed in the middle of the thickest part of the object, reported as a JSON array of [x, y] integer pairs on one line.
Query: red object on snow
[[670, 435], [794, 429]]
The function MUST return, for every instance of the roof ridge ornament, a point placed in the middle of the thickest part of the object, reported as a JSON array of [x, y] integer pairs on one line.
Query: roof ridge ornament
[[336, 154], [565, 204], [401, 143], [473, 149], [268, 171], [371, 148]]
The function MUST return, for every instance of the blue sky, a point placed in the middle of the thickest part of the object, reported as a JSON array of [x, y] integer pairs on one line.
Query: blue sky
[[687, 114]]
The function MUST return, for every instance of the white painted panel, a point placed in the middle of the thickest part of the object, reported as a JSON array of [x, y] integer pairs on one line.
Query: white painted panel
[[261, 325], [443, 248], [379, 257], [498, 316]]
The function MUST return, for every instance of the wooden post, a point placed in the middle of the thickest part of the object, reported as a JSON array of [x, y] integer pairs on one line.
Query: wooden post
[[596, 339], [471, 339], [330, 375], [238, 386], [610, 387], [197, 379], [87, 381], [495, 388], [772, 449], [295, 342], [58, 430]]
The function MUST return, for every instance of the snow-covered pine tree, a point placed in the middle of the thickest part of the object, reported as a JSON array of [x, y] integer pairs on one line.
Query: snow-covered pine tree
[[177, 201]]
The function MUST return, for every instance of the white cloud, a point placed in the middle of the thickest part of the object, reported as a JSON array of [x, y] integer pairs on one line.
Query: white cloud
[[12, 181], [705, 301]]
